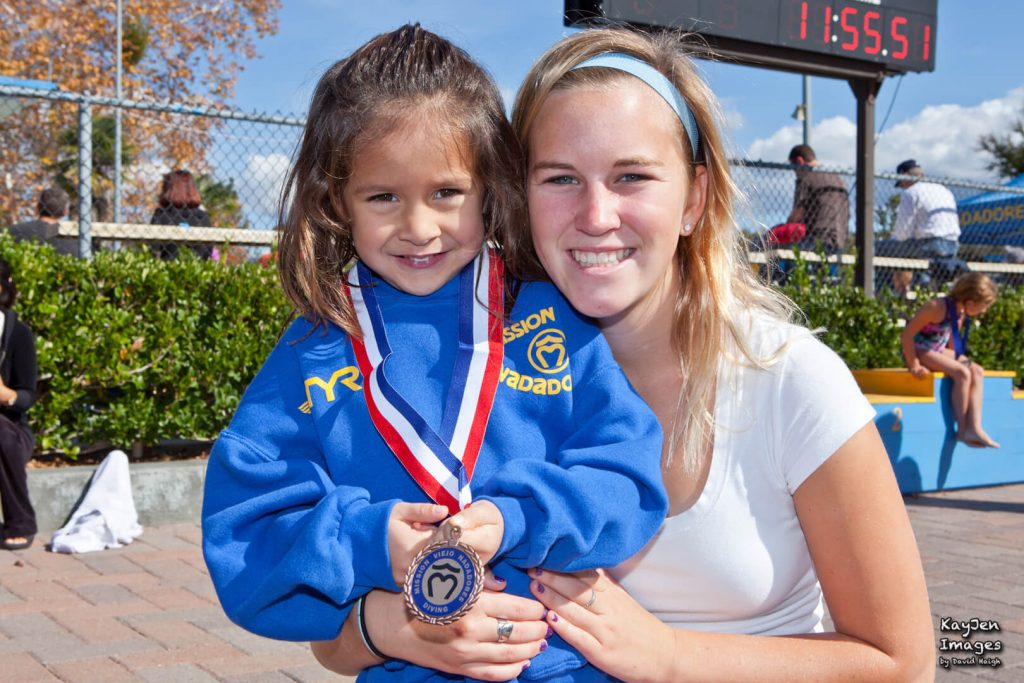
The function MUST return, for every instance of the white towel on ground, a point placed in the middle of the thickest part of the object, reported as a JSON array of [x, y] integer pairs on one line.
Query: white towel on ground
[[106, 517]]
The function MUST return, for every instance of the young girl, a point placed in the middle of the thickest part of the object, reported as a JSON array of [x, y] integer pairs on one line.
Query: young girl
[[934, 339], [380, 392]]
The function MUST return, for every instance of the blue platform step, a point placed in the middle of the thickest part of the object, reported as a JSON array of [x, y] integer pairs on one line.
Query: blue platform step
[[915, 419]]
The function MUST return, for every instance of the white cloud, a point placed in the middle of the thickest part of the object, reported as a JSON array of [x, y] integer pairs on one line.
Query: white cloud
[[734, 119], [942, 138], [265, 176]]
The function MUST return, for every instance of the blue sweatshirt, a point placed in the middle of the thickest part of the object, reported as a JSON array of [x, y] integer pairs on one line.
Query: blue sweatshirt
[[300, 486]]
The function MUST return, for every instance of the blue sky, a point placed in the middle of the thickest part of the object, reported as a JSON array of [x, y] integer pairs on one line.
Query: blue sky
[[976, 88]]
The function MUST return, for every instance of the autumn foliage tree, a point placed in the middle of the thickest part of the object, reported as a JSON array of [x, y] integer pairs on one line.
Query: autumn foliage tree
[[182, 51]]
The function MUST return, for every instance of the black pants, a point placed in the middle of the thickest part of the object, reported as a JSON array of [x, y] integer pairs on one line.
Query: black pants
[[15, 450]]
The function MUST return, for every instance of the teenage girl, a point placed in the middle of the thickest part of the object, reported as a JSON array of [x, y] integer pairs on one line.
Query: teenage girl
[[404, 379], [934, 340]]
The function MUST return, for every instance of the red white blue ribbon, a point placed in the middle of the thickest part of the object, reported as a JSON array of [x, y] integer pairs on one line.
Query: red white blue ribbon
[[442, 460]]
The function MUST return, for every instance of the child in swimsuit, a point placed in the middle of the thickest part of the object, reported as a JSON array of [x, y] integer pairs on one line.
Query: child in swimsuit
[[934, 340]]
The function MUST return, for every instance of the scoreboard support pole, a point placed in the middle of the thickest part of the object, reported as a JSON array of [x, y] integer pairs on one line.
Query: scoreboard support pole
[[866, 92]]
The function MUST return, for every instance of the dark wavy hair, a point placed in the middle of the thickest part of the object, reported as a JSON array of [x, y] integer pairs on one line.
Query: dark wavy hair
[[8, 291], [409, 72]]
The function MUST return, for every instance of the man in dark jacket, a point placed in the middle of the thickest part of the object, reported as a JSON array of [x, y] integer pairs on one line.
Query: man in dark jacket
[[821, 201], [52, 207]]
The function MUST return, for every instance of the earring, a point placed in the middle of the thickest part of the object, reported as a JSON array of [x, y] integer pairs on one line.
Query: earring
[[688, 228]]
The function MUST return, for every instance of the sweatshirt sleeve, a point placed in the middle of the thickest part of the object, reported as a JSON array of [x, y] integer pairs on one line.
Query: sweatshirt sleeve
[[603, 497], [287, 548]]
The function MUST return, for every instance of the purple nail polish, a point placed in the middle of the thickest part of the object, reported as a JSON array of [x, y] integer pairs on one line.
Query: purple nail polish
[[540, 587], [543, 645], [499, 579], [526, 666], [549, 633], [554, 617], [545, 615], [538, 571]]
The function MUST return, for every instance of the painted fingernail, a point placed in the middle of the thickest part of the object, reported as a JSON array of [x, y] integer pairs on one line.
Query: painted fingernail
[[554, 617], [543, 645], [540, 587], [499, 579], [550, 632], [538, 571], [545, 615], [526, 666]]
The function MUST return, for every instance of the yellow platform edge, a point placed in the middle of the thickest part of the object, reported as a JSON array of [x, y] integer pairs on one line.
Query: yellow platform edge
[[892, 385]]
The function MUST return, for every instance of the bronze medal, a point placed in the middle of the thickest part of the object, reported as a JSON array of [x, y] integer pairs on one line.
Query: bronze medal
[[444, 580]]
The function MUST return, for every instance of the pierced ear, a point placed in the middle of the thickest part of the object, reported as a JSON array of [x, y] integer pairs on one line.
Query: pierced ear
[[696, 200]]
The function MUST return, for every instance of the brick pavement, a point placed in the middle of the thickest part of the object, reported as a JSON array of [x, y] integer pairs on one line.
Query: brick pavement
[[147, 612], [972, 547]]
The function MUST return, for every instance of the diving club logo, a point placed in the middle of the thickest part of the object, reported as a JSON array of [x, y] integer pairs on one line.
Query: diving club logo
[[547, 351], [444, 581]]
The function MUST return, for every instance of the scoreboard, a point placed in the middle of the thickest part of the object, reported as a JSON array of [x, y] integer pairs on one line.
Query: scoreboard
[[893, 36]]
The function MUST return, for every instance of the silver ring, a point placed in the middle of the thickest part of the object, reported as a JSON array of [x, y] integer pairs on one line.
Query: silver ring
[[593, 597], [504, 630]]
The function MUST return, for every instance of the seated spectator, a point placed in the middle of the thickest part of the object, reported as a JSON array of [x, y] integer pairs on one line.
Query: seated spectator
[[927, 224], [180, 204], [51, 209], [18, 376], [820, 201]]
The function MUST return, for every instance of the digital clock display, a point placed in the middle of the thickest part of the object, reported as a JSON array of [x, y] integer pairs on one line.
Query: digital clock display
[[898, 34]]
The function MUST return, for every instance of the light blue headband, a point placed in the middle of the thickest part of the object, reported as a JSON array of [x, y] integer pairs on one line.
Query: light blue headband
[[656, 80]]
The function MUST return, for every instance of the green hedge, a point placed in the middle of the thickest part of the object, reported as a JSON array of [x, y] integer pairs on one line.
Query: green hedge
[[133, 348], [865, 331]]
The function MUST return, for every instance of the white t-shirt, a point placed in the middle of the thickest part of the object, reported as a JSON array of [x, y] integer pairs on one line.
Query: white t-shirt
[[926, 210], [737, 561]]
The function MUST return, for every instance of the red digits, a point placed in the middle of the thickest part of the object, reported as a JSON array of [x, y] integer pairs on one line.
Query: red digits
[[927, 42], [852, 30], [872, 33], [828, 22], [803, 21], [899, 37]]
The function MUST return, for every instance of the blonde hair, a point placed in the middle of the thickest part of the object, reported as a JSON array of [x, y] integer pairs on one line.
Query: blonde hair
[[974, 287], [718, 289]]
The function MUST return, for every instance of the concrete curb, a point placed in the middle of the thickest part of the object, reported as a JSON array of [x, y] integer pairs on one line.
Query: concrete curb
[[164, 492]]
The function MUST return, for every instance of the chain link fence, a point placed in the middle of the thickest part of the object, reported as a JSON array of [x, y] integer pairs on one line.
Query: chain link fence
[[240, 161], [990, 220]]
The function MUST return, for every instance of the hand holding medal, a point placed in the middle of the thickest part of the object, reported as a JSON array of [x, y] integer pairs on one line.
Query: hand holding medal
[[444, 581]]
